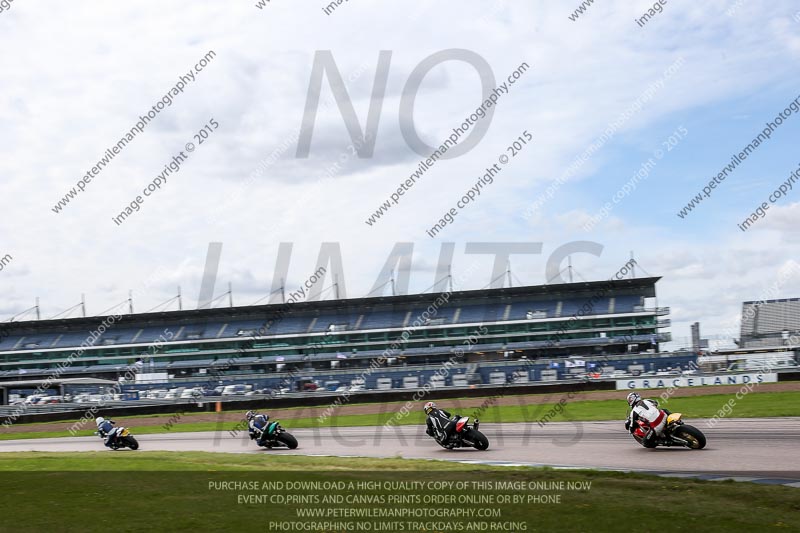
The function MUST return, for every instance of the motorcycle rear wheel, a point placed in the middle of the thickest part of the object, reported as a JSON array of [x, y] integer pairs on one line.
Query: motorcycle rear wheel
[[695, 437], [288, 439], [479, 439], [132, 443]]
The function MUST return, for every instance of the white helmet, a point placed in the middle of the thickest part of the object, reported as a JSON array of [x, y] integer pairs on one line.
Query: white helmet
[[99, 420], [633, 398]]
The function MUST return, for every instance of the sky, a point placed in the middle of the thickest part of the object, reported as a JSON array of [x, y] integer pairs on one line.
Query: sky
[[601, 97]]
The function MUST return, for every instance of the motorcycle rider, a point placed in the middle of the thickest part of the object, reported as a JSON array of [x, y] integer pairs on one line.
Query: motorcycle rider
[[106, 429], [646, 410], [256, 424], [440, 423]]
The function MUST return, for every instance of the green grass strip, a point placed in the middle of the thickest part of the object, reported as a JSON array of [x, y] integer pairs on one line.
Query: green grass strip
[[756, 405], [171, 491]]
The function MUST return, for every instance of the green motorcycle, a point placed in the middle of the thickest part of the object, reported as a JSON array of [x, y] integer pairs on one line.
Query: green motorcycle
[[275, 436]]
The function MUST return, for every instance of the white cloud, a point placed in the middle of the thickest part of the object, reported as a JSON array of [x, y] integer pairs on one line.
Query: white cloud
[[80, 76]]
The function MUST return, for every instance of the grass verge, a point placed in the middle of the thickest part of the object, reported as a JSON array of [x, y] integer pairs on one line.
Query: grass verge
[[757, 405], [169, 491]]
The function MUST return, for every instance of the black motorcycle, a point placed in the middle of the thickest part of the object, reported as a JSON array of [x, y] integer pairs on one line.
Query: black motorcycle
[[275, 436], [464, 435]]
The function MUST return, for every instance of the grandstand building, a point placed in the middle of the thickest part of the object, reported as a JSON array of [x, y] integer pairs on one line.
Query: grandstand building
[[488, 336], [770, 323]]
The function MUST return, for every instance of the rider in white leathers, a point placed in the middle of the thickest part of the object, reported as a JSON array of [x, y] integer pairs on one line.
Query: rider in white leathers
[[647, 411]]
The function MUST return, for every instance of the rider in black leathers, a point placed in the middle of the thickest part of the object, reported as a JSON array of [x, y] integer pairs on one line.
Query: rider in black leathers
[[441, 424]]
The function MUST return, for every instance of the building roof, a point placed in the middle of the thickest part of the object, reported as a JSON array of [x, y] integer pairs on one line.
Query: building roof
[[779, 300], [644, 285], [66, 381]]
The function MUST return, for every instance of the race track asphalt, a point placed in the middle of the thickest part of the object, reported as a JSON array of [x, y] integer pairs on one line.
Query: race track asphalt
[[746, 448]]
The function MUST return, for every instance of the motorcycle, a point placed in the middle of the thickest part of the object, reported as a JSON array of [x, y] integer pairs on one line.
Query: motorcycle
[[676, 433], [121, 438], [275, 436], [466, 435]]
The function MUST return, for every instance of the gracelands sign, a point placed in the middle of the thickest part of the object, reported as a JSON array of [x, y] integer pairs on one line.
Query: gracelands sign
[[695, 381]]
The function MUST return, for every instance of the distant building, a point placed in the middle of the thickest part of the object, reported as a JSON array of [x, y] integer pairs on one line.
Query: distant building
[[769, 323], [696, 336], [484, 334]]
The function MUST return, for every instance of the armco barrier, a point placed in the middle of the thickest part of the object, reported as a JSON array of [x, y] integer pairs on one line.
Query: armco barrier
[[317, 399]]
